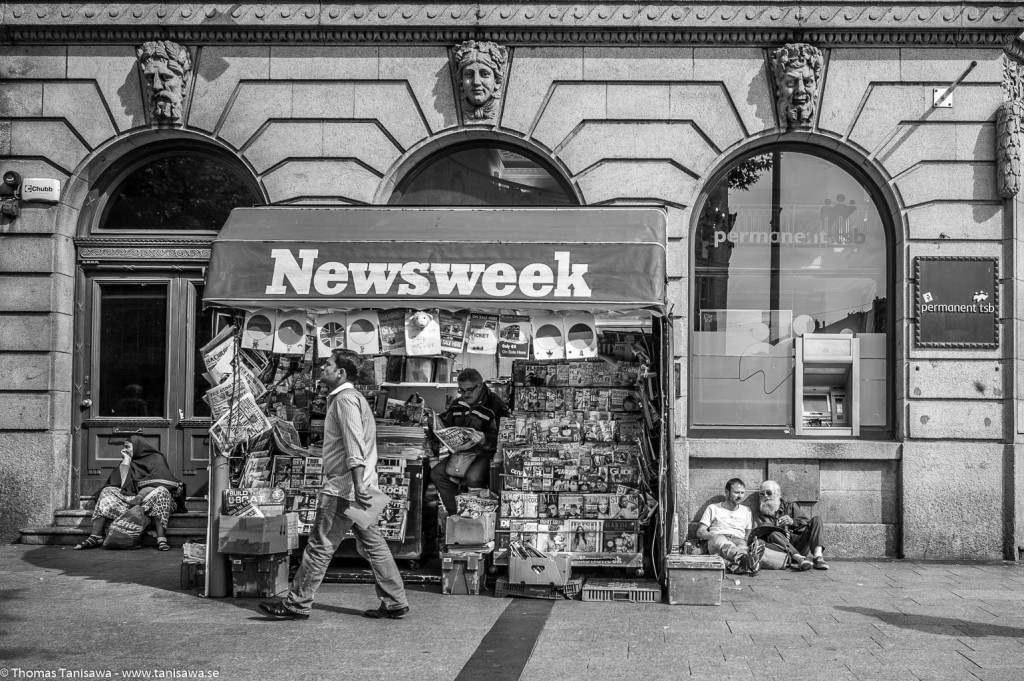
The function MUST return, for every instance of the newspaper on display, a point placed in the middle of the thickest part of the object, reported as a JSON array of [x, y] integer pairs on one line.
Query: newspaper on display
[[239, 425]]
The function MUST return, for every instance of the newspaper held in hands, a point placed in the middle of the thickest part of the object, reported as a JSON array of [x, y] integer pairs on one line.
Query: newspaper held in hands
[[456, 438]]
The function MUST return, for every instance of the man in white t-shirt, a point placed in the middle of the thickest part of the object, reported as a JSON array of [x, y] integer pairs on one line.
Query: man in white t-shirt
[[725, 527]]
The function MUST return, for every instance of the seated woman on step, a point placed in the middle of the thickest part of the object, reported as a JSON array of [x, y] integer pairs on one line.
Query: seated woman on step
[[143, 479]]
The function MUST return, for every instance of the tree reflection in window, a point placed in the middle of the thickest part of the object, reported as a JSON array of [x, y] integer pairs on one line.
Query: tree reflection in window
[[482, 176], [786, 244], [182, 192]]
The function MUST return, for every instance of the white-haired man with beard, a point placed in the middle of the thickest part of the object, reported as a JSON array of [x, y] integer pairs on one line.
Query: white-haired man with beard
[[789, 526]]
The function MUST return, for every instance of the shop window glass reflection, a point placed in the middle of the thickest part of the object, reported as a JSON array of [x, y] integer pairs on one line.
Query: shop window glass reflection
[[133, 350], [482, 176], [177, 193], [786, 244]]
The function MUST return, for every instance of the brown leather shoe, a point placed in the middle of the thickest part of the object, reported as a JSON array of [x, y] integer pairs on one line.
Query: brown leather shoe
[[384, 613], [278, 609]]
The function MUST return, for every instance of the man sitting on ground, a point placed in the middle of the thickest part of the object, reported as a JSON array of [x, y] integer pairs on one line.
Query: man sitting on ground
[[725, 527], [789, 526]]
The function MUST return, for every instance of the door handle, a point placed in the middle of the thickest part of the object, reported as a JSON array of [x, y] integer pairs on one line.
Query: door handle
[[118, 431]]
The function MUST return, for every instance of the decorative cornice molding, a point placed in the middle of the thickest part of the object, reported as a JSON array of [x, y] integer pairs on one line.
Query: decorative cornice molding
[[515, 37], [149, 254], [917, 23], [129, 250]]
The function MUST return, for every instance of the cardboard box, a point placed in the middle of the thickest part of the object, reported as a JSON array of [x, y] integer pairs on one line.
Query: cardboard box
[[259, 576], [460, 531], [553, 570], [269, 501], [463, 573], [258, 536], [695, 580]]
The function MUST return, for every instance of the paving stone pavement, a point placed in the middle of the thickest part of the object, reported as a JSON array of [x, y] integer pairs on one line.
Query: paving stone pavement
[[869, 619]]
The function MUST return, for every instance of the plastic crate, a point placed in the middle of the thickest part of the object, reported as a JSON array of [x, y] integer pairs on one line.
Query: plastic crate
[[503, 588], [634, 591]]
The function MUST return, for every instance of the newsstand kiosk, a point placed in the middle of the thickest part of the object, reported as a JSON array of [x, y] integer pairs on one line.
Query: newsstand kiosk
[[560, 309]]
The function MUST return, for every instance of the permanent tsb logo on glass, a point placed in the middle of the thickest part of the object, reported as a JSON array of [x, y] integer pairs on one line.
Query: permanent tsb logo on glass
[[304, 271]]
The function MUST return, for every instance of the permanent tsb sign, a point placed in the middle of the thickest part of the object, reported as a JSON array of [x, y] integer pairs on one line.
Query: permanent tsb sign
[[565, 258], [957, 302]]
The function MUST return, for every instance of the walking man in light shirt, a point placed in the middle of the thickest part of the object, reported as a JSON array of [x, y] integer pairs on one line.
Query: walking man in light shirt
[[725, 527], [350, 471]]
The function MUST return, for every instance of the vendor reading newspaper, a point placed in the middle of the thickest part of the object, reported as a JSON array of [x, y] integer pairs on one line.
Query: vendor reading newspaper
[[469, 426]]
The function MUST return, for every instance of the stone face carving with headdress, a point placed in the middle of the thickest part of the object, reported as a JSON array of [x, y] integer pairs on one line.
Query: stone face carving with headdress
[[480, 67], [797, 68], [165, 66]]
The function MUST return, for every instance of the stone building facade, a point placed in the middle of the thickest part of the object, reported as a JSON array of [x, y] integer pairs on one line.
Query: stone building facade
[[626, 104]]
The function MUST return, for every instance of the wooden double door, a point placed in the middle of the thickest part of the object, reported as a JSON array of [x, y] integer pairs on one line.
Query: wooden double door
[[137, 371]]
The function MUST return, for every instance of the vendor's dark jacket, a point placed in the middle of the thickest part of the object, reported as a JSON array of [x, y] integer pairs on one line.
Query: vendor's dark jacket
[[483, 416], [801, 518]]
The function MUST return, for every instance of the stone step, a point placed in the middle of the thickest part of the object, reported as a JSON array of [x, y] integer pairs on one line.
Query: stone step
[[82, 518], [69, 536], [194, 505]]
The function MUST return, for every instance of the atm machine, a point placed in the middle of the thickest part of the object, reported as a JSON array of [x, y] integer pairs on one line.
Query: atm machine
[[826, 386]]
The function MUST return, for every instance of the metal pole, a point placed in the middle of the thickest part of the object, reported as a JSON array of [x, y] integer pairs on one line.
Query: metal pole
[[216, 564]]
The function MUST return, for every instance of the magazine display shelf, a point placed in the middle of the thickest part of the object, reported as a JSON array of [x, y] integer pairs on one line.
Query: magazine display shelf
[[333, 268]]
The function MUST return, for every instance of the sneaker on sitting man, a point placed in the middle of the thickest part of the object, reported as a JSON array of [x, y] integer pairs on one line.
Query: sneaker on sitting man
[[754, 556], [800, 563]]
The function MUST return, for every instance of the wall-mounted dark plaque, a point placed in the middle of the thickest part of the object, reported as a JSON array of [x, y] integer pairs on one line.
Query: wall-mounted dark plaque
[[956, 302]]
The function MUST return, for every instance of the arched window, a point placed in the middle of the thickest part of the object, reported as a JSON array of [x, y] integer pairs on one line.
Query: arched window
[[479, 175], [180, 190], [787, 244]]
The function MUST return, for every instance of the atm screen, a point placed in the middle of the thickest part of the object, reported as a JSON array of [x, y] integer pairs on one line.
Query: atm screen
[[816, 404]]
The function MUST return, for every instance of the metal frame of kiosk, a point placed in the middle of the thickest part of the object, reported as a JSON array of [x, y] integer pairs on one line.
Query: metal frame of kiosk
[[826, 399]]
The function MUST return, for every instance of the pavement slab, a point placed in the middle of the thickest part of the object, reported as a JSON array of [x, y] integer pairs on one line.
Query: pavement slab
[[862, 620]]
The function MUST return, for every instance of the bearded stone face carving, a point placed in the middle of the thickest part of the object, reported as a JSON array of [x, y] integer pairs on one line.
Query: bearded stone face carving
[[797, 69], [165, 66], [480, 68]]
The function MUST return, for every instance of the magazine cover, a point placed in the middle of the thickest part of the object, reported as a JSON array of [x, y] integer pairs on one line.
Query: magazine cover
[[547, 506], [482, 334], [514, 336], [570, 505], [530, 505], [584, 535], [392, 330], [392, 520], [629, 506], [422, 333], [552, 536], [524, 531], [453, 330], [619, 536], [511, 504]]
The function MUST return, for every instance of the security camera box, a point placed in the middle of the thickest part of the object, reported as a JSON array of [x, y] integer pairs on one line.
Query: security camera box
[[267, 502], [258, 536], [461, 531], [550, 570]]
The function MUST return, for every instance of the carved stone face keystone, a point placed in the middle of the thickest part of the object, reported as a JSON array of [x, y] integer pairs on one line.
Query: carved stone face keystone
[[480, 68], [797, 69], [165, 66]]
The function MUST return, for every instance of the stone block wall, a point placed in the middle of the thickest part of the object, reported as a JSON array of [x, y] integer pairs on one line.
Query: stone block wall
[[626, 125]]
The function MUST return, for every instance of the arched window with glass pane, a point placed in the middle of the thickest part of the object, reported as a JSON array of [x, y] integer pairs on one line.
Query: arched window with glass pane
[[786, 244], [479, 175], [177, 192]]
